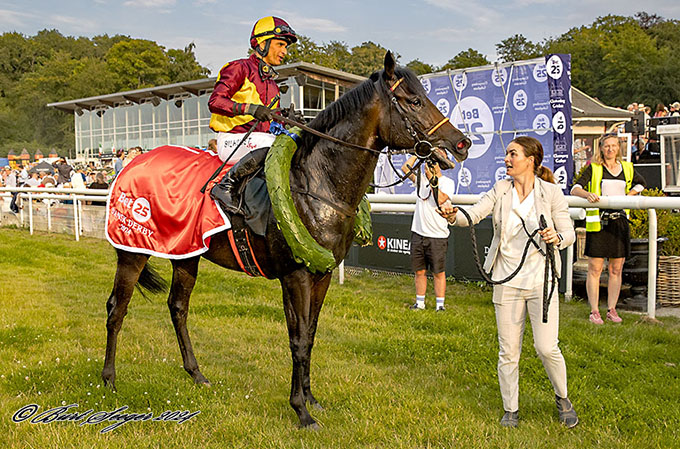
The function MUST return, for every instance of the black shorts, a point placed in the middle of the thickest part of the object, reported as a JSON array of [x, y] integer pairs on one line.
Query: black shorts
[[428, 253]]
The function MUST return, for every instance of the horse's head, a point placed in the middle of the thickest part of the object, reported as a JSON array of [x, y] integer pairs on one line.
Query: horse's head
[[410, 120]]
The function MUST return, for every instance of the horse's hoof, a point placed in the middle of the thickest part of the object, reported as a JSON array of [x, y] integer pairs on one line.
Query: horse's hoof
[[311, 426], [317, 406], [203, 381], [109, 383]]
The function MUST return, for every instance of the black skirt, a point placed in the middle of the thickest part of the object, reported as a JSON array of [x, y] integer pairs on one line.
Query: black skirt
[[611, 242]]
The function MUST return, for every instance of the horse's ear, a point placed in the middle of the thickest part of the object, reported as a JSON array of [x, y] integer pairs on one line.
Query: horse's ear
[[390, 64]]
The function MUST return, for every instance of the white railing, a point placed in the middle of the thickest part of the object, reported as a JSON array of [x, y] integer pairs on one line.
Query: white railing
[[77, 196], [399, 203], [406, 203]]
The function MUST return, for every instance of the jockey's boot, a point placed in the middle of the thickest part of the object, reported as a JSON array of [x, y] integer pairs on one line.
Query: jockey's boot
[[226, 191]]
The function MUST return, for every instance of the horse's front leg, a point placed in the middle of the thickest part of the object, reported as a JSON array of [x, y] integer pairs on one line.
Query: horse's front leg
[[302, 305], [318, 294]]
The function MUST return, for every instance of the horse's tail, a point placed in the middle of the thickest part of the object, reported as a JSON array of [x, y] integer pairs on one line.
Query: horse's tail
[[151, 281]]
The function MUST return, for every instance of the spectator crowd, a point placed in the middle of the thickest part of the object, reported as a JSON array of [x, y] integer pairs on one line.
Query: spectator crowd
[[645, 146]]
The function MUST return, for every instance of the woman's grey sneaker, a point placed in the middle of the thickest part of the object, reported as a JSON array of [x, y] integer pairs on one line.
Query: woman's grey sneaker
[[567, 414], [510, 419], [415, 307]]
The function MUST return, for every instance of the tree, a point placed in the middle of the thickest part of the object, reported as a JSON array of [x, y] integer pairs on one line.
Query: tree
[[103, 43], [52, 41], [336, 55], [420, 68], [647, 21], [617, 61], [366, 59], [183, 65], [466, 58], [18, 55], [304, 49], [517, 48], [138, 63]]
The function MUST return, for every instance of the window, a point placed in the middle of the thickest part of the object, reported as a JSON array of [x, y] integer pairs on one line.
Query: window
[[312, 97]]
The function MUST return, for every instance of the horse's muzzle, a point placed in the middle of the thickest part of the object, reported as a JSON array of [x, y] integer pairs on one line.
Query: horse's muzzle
[[460, 149]]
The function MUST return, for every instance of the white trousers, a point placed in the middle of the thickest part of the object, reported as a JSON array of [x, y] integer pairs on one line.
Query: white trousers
[[511, 306], [226, 142]]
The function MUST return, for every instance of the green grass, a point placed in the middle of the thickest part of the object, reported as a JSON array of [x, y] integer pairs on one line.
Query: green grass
[[387, 377]]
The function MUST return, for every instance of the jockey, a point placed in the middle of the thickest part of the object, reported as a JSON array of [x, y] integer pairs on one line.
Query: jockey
[[245, 91]]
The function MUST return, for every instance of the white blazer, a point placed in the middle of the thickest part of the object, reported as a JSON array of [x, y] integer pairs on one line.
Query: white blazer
[[548, 200]]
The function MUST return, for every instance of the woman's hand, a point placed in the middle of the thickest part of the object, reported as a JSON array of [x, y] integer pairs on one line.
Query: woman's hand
[[592, 198], [447, 211], [549, 235]]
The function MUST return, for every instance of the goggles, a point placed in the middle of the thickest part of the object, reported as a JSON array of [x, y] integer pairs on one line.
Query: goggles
[[283, 31]]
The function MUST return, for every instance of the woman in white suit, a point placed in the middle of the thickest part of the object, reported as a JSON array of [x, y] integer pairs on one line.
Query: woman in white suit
[[529, 193]]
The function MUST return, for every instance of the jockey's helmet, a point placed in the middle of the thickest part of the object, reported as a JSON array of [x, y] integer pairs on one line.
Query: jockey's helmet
[[271, 28]]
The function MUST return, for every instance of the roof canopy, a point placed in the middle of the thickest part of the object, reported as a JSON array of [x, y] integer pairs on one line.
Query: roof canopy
[[197, 87], [585, 107]]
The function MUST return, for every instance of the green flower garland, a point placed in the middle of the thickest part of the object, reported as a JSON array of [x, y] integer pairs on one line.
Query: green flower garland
[[305, 249]]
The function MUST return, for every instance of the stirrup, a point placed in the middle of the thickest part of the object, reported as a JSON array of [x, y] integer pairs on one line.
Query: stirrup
[[225, 199]]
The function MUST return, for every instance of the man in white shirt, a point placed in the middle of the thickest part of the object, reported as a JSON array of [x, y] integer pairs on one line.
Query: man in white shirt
[[11, 181], [33, 180], [429, 233]]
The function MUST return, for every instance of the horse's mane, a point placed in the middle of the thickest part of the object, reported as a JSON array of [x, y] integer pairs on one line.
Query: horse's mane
[[353, 100], [345, 105]]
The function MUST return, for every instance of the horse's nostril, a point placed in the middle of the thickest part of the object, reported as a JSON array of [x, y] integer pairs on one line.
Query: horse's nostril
[[462, 144]]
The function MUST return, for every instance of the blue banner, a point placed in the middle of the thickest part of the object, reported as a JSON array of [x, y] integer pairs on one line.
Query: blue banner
[[494, 104]]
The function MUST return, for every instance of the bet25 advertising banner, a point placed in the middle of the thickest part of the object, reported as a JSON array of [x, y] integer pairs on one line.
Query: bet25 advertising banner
[[494, 104]]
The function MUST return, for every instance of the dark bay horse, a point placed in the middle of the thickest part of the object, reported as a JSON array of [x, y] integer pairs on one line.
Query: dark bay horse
[[328, 180]]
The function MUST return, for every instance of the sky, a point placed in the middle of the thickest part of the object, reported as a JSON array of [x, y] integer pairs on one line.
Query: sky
[[432, 31]]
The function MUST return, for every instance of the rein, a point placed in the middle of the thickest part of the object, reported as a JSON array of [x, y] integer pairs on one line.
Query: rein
[[302, 126], [422, 148]]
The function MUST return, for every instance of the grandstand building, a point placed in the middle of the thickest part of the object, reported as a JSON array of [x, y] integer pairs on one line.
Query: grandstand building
[[178, 113]]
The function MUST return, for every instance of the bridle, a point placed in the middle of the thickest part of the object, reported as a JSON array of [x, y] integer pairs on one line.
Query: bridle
[[422, 148]]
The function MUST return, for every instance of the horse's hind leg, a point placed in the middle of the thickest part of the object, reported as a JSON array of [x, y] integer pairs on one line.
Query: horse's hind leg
[[183, 279], [302, 300], [127, 274]]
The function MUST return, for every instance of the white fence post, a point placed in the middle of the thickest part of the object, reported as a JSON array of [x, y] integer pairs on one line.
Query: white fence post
[[75, 216], [651, 265], [569, 292], [30, 213], [80, 217]]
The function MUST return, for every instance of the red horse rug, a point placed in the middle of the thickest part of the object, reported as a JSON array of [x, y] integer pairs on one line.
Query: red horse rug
[[155, 205]]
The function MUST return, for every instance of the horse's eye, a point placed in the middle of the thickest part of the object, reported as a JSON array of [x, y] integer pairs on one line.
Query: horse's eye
[[415, 102]]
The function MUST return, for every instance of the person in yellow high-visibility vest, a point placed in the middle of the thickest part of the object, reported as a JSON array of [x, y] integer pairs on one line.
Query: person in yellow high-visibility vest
[[607, 230]]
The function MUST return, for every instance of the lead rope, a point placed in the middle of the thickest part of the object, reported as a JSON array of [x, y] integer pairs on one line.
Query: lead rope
[[549, 253]]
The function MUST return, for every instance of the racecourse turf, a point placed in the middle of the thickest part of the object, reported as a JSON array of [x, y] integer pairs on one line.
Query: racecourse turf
[[388, 377]]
